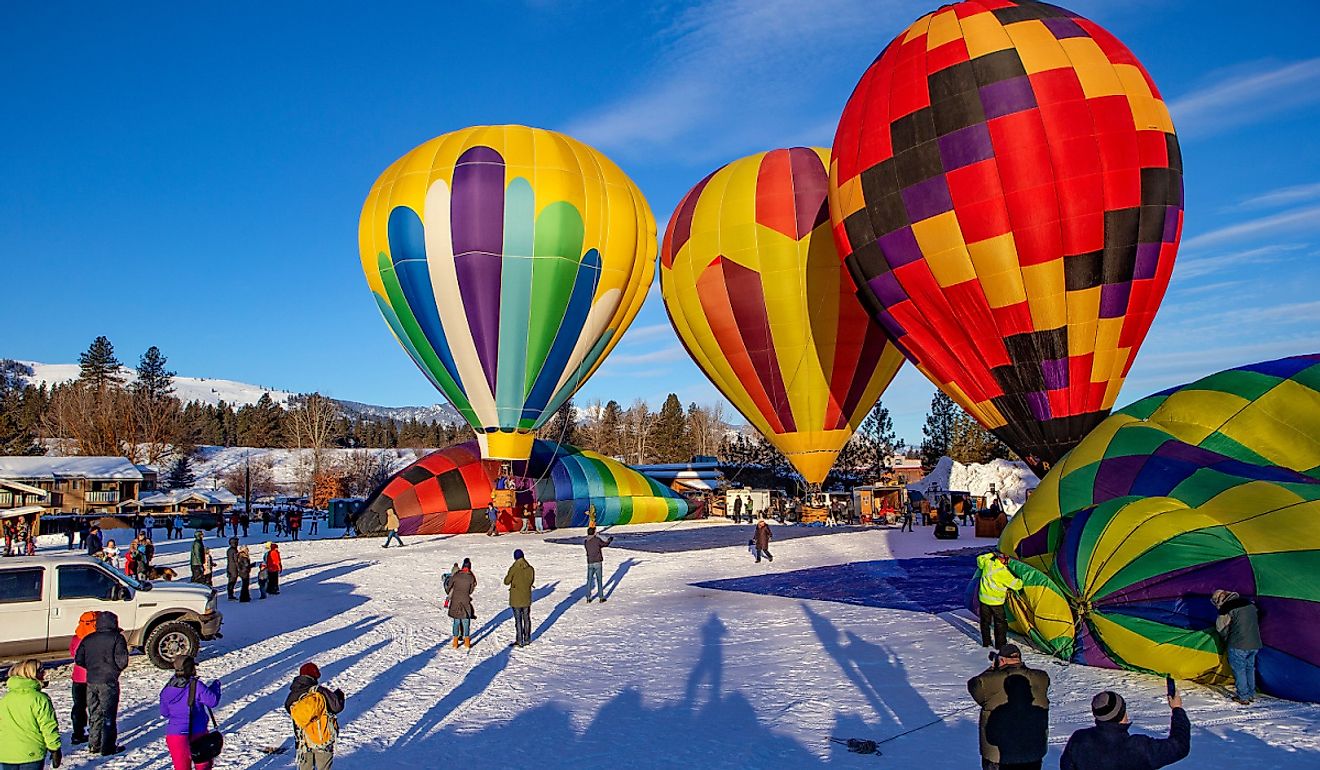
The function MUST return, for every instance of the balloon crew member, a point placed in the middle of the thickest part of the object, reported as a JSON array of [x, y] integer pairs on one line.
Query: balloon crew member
[[996, 582], [314, 709], [1015, 712]]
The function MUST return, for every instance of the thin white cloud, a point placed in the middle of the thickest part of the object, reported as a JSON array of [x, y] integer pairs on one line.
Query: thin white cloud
[[667, 353], [1240, 97], [650, 331], [741, 75], [1305, 219], [1284, 196], [1195, 265]]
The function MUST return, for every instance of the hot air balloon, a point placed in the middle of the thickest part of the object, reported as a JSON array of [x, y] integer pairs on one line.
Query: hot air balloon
[[1213, 485], [507, 262], [1006, 188], [447, 492], [756, 291]]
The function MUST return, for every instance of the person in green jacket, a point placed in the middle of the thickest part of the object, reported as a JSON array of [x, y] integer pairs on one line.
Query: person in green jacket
[[28, 730], [197, 559], [996, 582], [519, 579]]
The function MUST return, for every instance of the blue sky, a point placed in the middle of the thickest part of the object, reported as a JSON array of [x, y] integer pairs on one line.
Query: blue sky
[[191, 175]]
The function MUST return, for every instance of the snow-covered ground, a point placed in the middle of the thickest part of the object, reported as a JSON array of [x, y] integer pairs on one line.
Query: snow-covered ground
[[666, 674], [1011, 479]]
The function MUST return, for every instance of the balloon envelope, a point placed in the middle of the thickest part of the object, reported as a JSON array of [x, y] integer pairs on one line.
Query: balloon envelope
[[507, 262], [1213, 485], [755, 289], [447, 492], [1006, 187]]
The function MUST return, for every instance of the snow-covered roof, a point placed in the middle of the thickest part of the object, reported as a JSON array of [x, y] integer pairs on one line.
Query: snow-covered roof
[[8, 513], [176, 496], [52, 468], [26, 489]]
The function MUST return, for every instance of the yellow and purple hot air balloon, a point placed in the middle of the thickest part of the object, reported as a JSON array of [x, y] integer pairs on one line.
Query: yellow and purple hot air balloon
[[755, 289], [507, 261]]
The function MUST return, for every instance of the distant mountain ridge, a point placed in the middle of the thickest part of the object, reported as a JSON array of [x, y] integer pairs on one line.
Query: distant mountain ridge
[[213, 391]]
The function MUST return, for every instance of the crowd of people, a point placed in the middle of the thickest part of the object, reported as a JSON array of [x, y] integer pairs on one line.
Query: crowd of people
[[29, 726]]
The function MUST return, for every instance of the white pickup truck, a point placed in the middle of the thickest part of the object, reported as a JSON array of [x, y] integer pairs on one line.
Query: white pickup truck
[[42, 597]]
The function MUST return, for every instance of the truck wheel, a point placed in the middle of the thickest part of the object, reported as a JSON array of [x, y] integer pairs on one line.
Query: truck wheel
[[169, 641]]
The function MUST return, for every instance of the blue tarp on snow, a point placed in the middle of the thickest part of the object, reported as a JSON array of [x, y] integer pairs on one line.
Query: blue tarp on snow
[[929, 584]]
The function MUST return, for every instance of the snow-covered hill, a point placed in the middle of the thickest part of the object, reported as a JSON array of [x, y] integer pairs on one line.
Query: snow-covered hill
[[212, 391]]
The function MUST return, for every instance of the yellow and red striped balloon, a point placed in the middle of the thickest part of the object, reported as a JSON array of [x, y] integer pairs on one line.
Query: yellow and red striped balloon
[[756, 290]]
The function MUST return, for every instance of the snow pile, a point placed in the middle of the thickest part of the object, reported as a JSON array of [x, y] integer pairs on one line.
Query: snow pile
[[1012, 480]]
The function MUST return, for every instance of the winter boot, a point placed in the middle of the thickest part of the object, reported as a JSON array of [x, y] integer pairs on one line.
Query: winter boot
[[468, 641], [456, 640]]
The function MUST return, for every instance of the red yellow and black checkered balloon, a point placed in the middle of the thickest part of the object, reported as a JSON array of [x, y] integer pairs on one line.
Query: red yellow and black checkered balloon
[[1006, 189]]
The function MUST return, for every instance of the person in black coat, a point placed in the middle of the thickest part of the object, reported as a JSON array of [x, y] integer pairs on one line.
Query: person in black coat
[[1109, 746], [104, 653], [231, 566], [93, 542]]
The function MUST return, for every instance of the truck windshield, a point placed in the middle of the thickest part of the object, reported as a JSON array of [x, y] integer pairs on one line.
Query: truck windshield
[[117, 572]]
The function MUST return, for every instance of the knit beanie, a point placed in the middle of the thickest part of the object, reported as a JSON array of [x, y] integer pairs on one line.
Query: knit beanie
[[517, 553], [310, 669], [1108, 706]]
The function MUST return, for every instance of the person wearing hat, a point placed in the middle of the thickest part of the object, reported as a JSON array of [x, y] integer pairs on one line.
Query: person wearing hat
[[519, 579], [461, 611], [307, 685], [86, 625], [103, 654], [996, 582], [1239, 627], [596, 562], [231, 566], [274, 566], [28, 728], [1015, 711], [183, 703], [1109, 745], [197, 558]]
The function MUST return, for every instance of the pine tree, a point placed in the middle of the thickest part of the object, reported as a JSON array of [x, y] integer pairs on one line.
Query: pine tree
[[180, 475], [611, 422], [98, 366], [970, 443], [873, 444], [562, 425], [16, 436], [937, 433], [669, 442], [260, 424], [154, 381]]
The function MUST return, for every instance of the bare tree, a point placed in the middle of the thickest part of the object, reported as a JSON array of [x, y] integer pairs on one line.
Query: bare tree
[[706, 428], [310, 424], [91, 419], [637, 427], [366, 470]]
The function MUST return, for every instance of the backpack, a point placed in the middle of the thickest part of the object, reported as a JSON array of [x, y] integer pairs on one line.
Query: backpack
[[315, 723]]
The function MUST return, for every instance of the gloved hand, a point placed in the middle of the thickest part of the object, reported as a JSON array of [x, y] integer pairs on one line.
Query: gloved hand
[[340, 695], [56, 757]]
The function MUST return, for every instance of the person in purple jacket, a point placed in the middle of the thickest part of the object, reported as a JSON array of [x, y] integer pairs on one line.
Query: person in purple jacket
[[183, 703]]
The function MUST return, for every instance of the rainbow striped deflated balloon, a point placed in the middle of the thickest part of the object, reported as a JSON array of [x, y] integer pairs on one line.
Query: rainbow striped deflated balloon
[[507, 261]]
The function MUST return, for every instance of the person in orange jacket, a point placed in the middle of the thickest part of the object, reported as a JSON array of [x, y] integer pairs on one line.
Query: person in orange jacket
[[86, 625], [274, 566]]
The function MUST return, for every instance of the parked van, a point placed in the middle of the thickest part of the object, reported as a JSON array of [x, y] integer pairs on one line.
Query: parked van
[[42, 597]]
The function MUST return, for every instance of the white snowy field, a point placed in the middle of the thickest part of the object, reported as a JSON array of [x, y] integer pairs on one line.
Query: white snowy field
[[665, 674]]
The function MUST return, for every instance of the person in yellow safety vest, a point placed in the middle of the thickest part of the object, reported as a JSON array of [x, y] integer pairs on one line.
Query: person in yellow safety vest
[[996, 582]]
